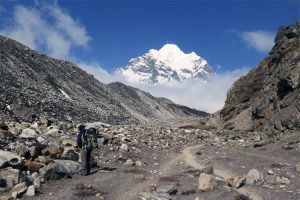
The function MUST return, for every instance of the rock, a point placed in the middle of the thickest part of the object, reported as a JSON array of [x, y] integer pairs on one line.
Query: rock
[[270, 172], [199, 198], [124, 147], [139, 163], [170, 189], [28, 134], [4, 198], [282, 180], [128, 162], [6, 134], [298, 167], [208, 170], [30, 191], [21, 150], [254, 177], [18, 190], [59, 169], [12, 176], [70, 154], [206, 182], [69, 143], [33, 166], [237, 181], [52, 151], [8, 158], [42, 140]]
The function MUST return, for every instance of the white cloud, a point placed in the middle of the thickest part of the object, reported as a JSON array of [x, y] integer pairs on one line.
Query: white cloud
[[262, 41], [98, 72], [209, 96], [48, 28]]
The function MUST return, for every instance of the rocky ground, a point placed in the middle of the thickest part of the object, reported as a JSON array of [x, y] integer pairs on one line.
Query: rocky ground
[[175, 160]]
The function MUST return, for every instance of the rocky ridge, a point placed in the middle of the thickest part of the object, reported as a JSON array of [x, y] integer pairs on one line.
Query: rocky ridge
[[267, 98], [35, 85]]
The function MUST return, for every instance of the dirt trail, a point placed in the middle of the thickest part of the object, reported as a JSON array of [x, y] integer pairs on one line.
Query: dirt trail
[[190, 159]]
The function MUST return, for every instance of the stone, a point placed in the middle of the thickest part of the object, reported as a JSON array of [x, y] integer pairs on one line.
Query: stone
[[30, 191], [282, 180], [208, 170], [33, 166], [139, 163], [124, 147], [237, 181], [254, 177], [70, 154], [59, 169], [170, 189], [9, 158], [69, 143], [52, 151], [6, 134], [128, 162], [270, 172], [206, 182], [12, 176], [21, 150], [19, 189], [28, 133], [199, 198]]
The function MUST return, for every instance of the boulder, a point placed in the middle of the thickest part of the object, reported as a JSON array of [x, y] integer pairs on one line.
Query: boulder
[[9, 159], [254, 177], [30, 191], [12, 176], [70, 154], [124, 147], [206, 182], [6, 134], [18, 190], [237, 181], [28, 133], [60, 168]]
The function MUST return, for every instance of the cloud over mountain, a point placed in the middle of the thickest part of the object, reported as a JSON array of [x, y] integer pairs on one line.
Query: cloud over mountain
[[46, 27]]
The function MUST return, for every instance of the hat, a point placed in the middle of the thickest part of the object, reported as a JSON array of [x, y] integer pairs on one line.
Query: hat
[[81, 126]]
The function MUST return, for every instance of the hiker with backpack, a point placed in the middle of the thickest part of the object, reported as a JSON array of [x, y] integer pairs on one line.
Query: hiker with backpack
[[86, 141]]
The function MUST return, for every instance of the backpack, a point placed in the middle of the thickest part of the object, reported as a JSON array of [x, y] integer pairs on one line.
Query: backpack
[[91, 135]]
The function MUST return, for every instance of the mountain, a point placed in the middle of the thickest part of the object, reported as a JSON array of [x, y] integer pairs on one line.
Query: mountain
[[35, 85], [268, 97], [168, 63]]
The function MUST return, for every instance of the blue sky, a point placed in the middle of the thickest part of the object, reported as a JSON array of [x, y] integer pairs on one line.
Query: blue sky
[[118, 31], [233, 36]]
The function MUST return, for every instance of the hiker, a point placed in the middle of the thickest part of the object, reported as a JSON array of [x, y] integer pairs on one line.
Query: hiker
[[86, 141]]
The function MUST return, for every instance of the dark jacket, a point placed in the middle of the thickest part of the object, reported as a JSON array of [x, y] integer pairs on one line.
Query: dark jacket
[[82, 139]]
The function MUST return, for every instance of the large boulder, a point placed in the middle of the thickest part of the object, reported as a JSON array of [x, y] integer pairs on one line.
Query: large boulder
[[12, 176], [267, 98], [28, 133], [206, 182], [255, 177], [9, 159], [60, 168]]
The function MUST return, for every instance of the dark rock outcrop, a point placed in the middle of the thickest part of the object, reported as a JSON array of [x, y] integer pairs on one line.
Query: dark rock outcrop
[[268, 97], [35, 85]]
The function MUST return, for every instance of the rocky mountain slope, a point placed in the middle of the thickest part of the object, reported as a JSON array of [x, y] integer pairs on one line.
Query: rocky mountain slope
[[167, 64], [268, 97], [33, 84]]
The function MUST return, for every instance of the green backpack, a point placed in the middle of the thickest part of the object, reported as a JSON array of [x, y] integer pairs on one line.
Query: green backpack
[[91, 135]]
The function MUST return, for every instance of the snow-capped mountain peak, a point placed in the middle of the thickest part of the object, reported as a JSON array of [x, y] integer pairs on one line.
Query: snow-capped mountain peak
[[168, 63]]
